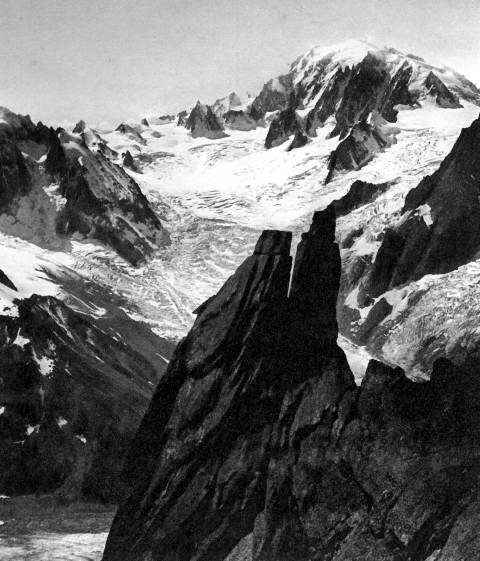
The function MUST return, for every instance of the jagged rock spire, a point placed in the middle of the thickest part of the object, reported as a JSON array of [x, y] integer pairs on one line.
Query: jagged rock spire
[[258, 446], [199, 462]]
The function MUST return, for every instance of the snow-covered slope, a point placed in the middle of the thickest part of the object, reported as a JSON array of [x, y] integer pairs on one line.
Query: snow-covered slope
[[215, 196]]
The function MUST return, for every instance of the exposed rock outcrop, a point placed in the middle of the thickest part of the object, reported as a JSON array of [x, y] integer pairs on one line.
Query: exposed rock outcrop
[[365, 139], [72, 393], [359, 194], [299, 140], [129, 162], [225, 104], [79, 127], [131, 132], [239, 120], [202, 121], [88, 195], [440, 226], [258, 444], [282, 127], [103, 202], [182, 118], [274, 96], [443, 96]]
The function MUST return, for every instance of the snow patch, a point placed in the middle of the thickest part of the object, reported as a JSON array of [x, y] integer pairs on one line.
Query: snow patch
[[29, 429], [45, 364], [426, 213], [61, 422], [20, 341]]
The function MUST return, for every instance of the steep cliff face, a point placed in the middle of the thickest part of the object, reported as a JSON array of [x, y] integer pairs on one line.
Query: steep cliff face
[[103, 202], [202, 122], [54, 185], [283, 126], [239, 361], [443, 96], [72, 392], [364, 140], [439, 228], [258, 445]]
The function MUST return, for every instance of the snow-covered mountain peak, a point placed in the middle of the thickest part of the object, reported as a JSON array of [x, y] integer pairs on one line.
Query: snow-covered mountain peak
[[328, 60], [346, 52]]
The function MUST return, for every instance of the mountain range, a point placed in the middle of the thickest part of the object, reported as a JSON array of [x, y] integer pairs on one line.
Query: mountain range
[[111, 240]]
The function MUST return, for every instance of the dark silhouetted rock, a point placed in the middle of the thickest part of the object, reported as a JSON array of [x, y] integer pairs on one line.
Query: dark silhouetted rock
[[79, 127], [328, 101], [275, 95], [380, 310], [6, 281], [366, 87], [299, 140], [257, 444], [145, 122], [182, 118], [443, 96], [282, 127], [241, 361], [440, 226], [203, 122], [385, 262], [129, 162], [15, 179], [72, 395], [358, 148], [397, 93], [359, 194]]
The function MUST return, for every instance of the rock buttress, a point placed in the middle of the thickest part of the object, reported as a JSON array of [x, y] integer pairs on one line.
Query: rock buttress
[[200, 460]]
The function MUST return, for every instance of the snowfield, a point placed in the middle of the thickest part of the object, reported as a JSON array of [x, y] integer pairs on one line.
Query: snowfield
[[215, 196]]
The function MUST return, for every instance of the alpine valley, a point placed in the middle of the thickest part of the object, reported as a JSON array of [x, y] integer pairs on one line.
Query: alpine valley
[[320, 407]]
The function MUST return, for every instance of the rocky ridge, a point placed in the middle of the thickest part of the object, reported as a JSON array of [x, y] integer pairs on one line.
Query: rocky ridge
[[71, 180], [257, 443], [73, 390]]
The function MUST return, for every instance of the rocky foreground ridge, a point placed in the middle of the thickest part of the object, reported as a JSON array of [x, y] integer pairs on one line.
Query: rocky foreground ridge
[[258, 445]]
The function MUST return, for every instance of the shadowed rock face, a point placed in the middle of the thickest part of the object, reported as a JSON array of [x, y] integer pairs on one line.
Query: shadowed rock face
[[95, 197], [129, 162], [363, 92], [440, 227], [443, 96], [275, 95], [103, 202], [283, 126], [239, 120], [257, 444], [131, 132], [359, 194], [72, 393], [182, 118], [202, 121], [362, 143], [240, 358]]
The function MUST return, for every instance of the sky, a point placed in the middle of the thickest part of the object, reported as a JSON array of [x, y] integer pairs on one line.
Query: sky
[[111, 60]]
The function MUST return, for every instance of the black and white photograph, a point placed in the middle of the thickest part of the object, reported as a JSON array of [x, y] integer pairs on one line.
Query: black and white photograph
[[240, 280]]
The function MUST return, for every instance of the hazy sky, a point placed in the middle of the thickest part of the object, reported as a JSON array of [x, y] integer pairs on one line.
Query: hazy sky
[[107, 60]]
